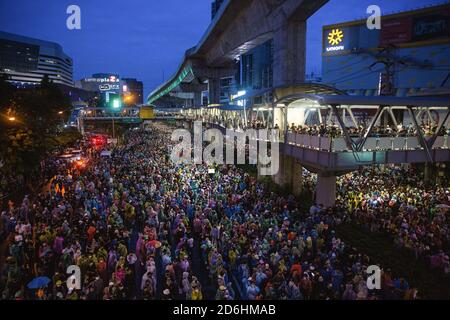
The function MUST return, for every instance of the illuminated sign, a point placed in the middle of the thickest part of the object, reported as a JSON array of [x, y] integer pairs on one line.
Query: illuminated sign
[[111, 79], [335, 38], [239, 94], [108, 87], [336, 48]]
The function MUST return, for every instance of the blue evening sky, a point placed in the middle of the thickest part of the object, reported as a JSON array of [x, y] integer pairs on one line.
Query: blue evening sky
[[146, 39]]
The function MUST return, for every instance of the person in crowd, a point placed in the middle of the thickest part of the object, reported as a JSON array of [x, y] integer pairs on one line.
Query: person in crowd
[[142, 227]]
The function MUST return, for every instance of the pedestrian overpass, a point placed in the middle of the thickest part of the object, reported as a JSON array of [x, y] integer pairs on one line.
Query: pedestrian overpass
[[331, 156], [126, 116]]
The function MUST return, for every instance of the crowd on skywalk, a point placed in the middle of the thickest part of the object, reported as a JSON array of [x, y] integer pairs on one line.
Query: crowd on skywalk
[[141, 227], [335, 131]]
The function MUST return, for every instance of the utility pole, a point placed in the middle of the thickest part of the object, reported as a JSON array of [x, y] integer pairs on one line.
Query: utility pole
[[386, 86], [113, 129]]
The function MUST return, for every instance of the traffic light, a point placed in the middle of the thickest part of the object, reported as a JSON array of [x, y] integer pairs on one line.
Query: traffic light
[[116, 104]]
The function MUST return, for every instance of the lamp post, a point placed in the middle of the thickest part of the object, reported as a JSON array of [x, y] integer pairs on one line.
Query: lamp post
[[113, 128], [60, 113], [116, 106]]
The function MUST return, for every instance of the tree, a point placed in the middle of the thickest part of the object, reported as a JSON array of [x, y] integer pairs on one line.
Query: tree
[[32, 135], [6, 93]]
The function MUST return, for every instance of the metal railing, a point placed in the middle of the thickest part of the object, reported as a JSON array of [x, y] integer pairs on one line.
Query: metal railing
[[338, 144], [371, 144]]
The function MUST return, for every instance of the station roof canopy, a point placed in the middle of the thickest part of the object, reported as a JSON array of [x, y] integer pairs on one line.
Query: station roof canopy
[[347, 100], [226, 107], [383, 101], [230, 107]]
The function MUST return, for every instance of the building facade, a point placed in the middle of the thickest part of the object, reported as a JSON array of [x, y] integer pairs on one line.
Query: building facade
[[106, 86], [133, 90], [253, 75], [27, 60], [109, 87], [101, 82], [408, 55]]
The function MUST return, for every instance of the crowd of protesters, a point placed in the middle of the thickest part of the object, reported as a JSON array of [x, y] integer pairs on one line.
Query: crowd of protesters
[[397, 201], [141, 227]]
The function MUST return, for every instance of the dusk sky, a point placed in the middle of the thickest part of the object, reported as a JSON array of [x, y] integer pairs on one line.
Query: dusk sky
[[145, 39]]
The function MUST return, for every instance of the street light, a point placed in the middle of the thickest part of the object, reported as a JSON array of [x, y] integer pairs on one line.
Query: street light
[[116, 105], [60, 113], [12, 119]]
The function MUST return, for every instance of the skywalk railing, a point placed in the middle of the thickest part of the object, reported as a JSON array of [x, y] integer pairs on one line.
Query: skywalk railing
[[371, 144]]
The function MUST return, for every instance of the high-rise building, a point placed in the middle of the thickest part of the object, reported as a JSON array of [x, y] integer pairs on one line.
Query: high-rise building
[[27, 60], [133, 89], [107, 86], [215, 6]]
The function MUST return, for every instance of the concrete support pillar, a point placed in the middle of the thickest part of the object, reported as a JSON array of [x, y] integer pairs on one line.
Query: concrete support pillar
[[297, 183], [197, 99], [284, 175], [289, 174], [214, 90], [289, 54], [326, 190], [279, 118]]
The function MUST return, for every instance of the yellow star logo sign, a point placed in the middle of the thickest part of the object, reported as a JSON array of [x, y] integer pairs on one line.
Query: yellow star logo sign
[[335, 37]]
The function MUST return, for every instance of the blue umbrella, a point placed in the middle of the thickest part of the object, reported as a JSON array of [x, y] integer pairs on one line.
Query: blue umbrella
[[38, 282]]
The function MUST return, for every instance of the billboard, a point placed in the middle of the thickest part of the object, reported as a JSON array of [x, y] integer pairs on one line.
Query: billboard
[[147, 113], [418, 27], [432, 26], [394, 31]]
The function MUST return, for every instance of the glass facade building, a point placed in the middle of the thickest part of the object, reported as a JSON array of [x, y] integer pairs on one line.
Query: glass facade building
[[257, 68], [253, 77], [26, 60], [134, 87]]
